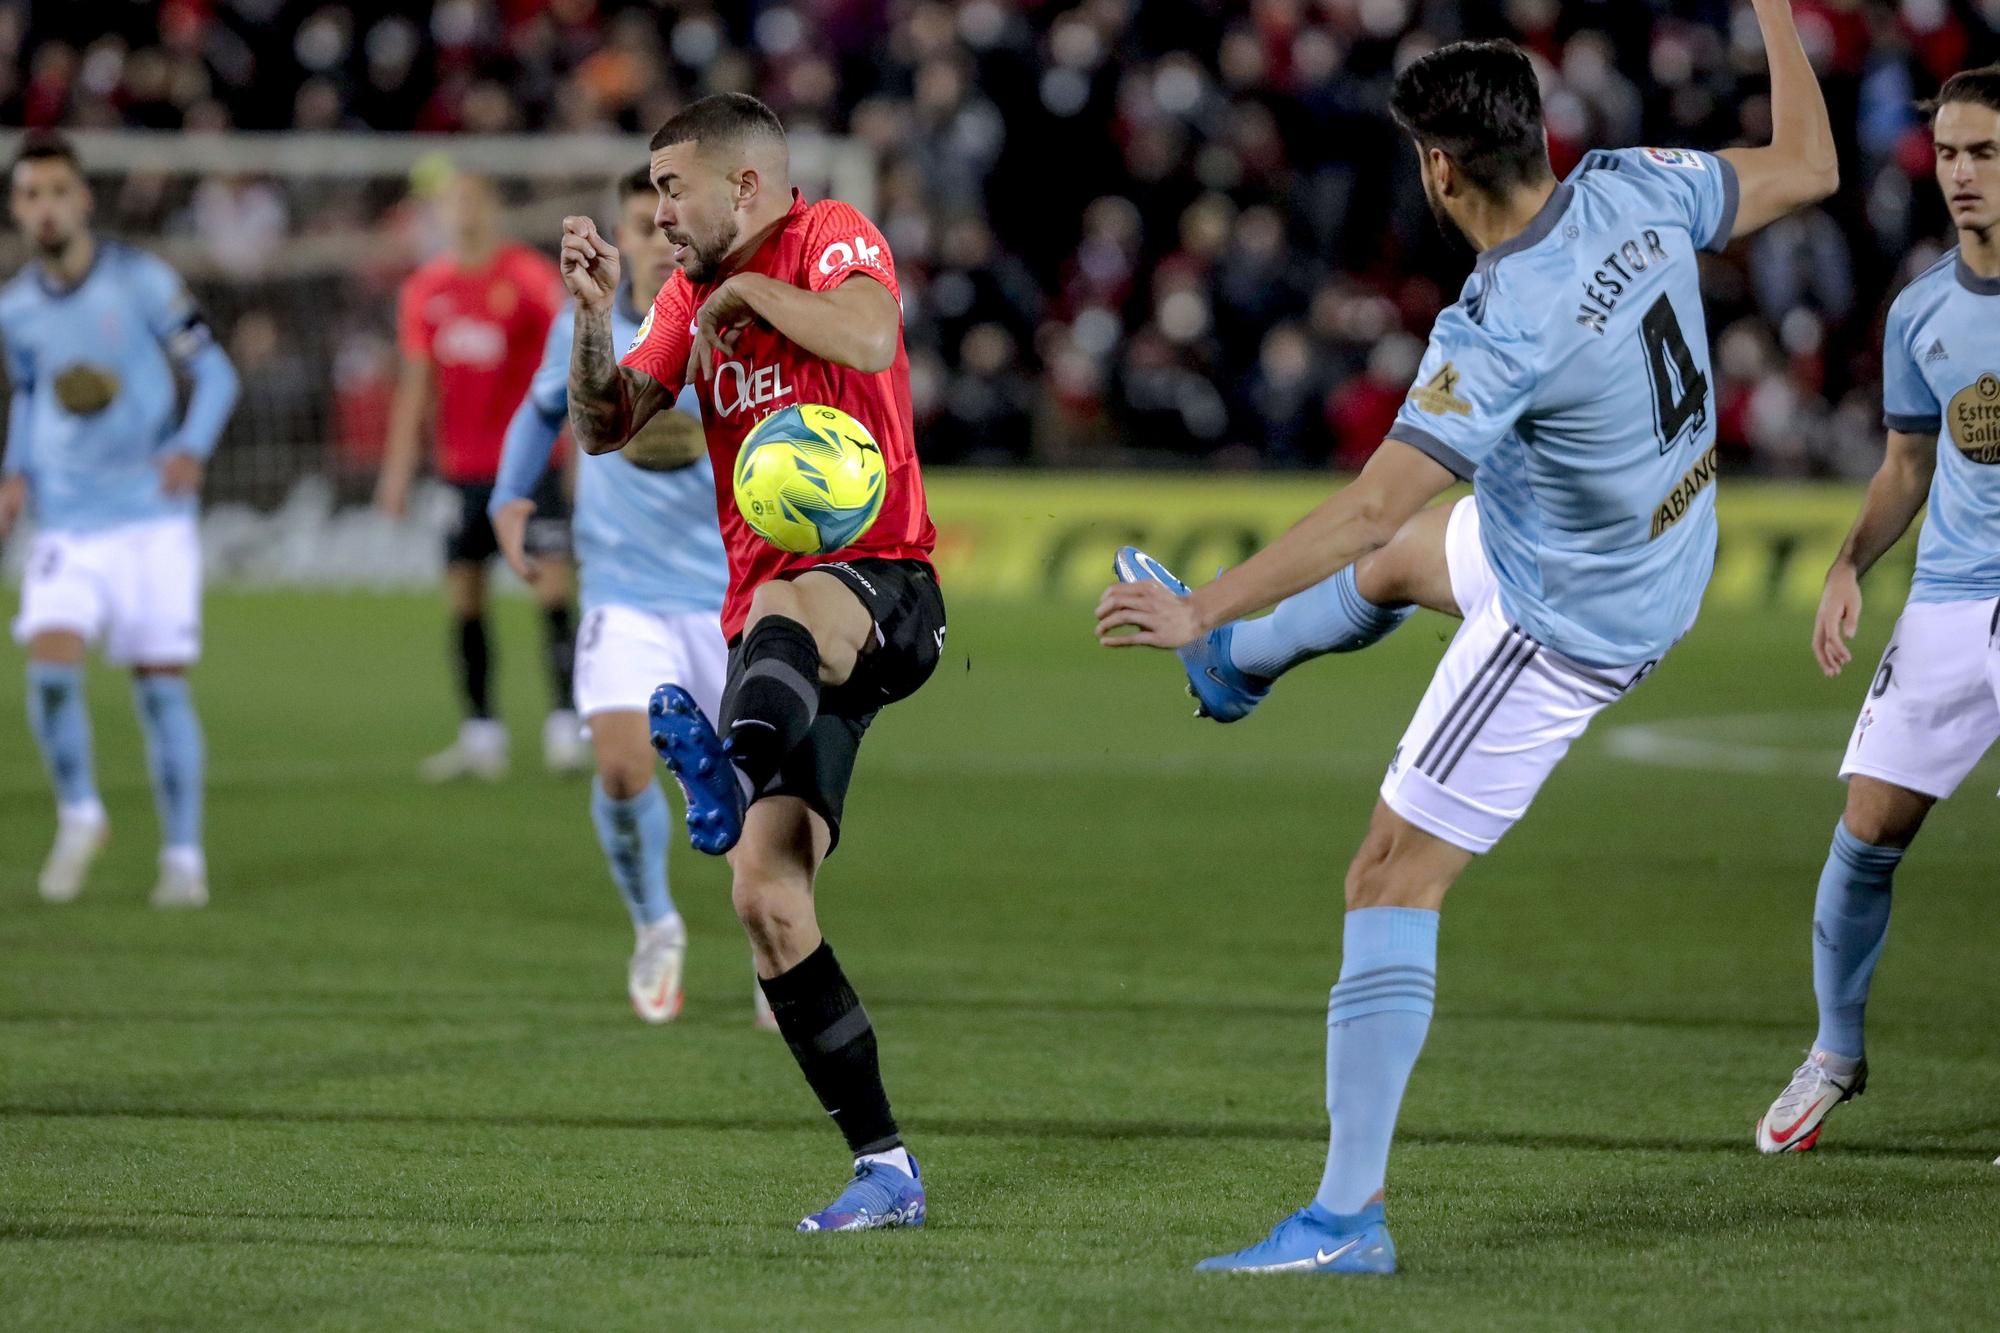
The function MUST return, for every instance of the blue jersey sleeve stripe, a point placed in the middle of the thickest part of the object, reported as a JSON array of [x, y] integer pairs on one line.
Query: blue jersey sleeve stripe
[[1441, 453], [1732, 195], [1913, 425]]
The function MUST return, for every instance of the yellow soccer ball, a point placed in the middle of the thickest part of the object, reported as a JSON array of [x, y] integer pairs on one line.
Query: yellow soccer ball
[[810, 479]]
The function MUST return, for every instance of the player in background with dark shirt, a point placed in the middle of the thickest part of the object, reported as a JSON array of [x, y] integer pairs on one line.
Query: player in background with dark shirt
[[471, 324]]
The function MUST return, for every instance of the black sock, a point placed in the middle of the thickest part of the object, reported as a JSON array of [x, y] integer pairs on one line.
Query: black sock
[[559, 642], [473, 667], [823, 1022], [773, 699]]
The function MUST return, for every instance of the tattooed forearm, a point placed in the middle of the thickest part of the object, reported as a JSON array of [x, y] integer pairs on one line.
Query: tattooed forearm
[[600, 399]]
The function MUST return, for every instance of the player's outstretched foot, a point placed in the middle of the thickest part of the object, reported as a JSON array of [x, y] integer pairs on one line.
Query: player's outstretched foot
[[878, 1196], [654, 978], [1313, 1240], [78, 841], [1224, 693], [1823, 1082], [696, 757]]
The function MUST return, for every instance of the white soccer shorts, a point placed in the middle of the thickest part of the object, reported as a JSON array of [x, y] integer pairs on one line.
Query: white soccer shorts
[[1500, 713], [1933, 708], [135, 587], [623, 654]]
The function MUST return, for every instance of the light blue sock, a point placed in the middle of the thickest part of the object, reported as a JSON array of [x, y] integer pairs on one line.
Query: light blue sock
[[60, 719], [1850, 921], [633, 834], [1376, 1018], [1330, 617], [175, 754]]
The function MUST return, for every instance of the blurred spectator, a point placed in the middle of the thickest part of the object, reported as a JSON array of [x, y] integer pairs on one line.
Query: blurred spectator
[[1176, 227]]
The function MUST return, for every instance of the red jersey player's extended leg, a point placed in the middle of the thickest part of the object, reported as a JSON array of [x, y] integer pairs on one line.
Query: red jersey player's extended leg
[[784, 841]]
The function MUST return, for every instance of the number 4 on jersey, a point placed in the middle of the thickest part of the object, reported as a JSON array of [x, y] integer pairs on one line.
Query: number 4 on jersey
[[1680, 390]]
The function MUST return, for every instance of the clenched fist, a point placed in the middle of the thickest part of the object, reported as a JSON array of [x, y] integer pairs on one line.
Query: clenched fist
[[589, 264]]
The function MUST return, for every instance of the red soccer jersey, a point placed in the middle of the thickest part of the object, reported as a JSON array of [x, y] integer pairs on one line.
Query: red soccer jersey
[[818, 247], [482, 330]]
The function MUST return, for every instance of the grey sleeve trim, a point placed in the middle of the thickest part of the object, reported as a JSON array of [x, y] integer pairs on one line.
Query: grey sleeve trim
[[1912, 425], [1732, 195], [1443, 454]]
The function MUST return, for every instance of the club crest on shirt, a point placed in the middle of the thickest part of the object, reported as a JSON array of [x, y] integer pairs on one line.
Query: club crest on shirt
[[1973, 416], [669, 442], [1439, 394], [1676, 157], [645, 327]]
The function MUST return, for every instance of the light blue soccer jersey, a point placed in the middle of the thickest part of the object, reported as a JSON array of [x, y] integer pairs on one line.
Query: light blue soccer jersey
[[1571, 384], [94, 395], [646, 536], [1941, 374]]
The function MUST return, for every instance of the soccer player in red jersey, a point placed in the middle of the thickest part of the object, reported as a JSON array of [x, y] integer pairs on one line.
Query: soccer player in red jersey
[[471, 324], [779, 302]]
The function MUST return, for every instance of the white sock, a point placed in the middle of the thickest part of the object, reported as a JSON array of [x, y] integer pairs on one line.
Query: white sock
[[89, 812], [185, 860], [896, 1157]]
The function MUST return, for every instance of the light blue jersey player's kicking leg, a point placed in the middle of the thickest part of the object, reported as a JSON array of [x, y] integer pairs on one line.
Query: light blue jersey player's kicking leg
[[652, 577], [1571, 385], [1933, 706], [93, 334]]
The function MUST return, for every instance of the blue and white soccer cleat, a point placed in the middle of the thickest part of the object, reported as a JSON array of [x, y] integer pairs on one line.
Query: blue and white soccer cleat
[[1313, 1240], [1225, 693], [700, 761], [878, 1196]]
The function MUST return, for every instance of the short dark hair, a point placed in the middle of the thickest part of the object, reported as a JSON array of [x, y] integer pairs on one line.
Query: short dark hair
[[1979, 86], [639, 180], [47, 146], [1481, 103], [723, 117]]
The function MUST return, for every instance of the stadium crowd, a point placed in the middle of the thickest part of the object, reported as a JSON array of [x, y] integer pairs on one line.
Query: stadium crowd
[[1128, 232]]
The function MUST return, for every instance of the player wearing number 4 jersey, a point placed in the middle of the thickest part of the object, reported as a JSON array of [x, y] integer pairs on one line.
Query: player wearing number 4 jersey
[[1571, 386], [779, 302], [1933, 708]]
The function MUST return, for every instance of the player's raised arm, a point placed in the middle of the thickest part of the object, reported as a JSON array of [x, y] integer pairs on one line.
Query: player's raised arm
[[1800, 166], [607, 402], [1397, 482]]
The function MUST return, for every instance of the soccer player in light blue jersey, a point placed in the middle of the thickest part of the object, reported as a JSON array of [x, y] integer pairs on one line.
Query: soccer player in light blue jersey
[[94, 333], [1933, 708], [1571, 385], [653, 576]]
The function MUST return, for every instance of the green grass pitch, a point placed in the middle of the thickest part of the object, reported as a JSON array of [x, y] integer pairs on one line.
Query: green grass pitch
[[389, 1080]]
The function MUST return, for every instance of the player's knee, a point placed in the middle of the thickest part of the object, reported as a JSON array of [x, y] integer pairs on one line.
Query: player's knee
[[624, 776], [1367, 874], [1379, 877], [775, 598], [1376, 577], [771, 907], [1884, 816]]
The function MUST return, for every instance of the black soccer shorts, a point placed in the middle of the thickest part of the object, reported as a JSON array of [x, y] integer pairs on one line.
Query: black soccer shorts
[[471, 536], [903, 600]]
